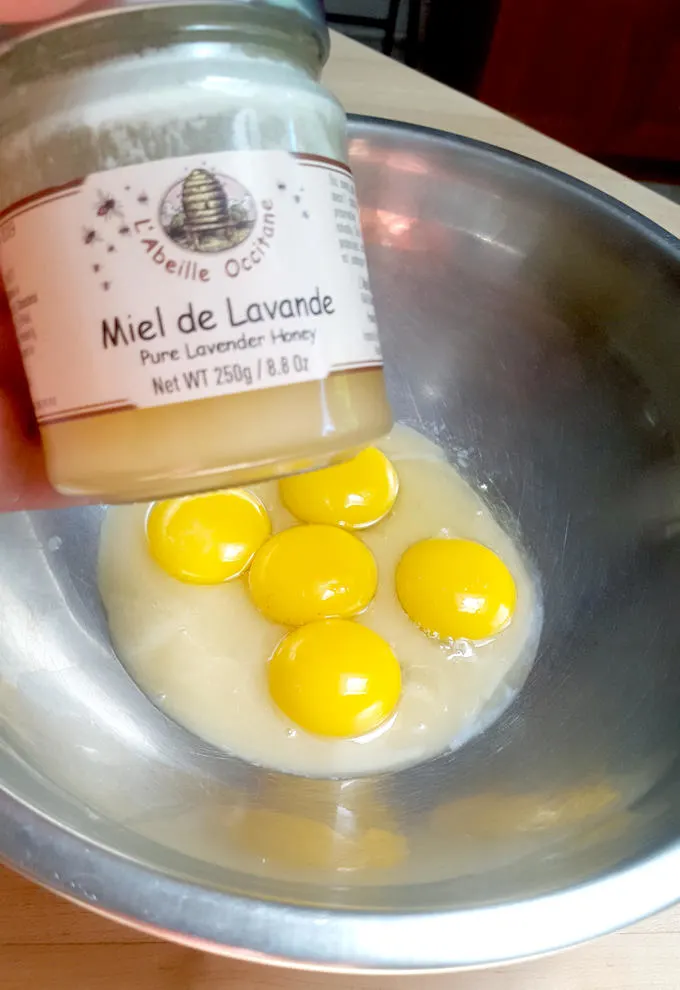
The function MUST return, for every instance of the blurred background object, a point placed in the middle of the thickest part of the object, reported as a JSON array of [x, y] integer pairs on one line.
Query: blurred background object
[[602, 76], [392, 26]]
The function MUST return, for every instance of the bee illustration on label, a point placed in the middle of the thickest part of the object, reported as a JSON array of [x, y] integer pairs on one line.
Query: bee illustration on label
[[207, 212], [107, 206]]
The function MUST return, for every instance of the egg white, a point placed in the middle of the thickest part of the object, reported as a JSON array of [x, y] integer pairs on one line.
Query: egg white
[[200, 652]]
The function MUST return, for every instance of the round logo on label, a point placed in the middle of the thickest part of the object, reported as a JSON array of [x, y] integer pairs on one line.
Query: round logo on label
[[207, 212]]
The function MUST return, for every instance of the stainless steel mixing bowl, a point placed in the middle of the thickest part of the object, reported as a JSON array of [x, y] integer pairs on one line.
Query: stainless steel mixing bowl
[[531, 327]]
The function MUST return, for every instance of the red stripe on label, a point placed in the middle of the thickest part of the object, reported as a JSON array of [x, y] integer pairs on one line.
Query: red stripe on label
[[350, 369], [83, 412], [321, 160], [52, 192]]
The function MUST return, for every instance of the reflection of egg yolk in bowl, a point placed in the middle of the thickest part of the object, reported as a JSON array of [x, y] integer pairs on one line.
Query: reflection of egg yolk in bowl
[[207, 539], [352, 805], [312, 572], [303, 843], [356, 494], [494, 814], [455, 589], [335, 678]]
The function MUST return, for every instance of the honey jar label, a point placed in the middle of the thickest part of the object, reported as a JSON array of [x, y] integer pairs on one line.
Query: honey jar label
[[188, 278]]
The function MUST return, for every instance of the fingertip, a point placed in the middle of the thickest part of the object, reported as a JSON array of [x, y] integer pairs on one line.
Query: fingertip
[[15, 11], [23, 482]]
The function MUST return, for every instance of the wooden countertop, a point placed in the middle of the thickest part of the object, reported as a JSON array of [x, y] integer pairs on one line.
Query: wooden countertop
[[48, 944]]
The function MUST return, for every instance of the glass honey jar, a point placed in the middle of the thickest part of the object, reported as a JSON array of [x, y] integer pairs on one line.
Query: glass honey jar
[[181, 248]]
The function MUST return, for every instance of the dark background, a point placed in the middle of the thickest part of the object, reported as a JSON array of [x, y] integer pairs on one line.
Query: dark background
[[603, 76]]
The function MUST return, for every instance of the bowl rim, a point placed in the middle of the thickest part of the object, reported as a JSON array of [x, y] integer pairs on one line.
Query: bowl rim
[[335, 939], [664, 238]]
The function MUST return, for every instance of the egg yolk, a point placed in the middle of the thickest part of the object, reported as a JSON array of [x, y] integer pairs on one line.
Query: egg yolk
[[455, 589], [303, 843], [207, 539], [312, 572], [356, 494], [335, 678]]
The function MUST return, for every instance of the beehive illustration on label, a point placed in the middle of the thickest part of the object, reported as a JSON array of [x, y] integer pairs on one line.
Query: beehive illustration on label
[[207, 212]]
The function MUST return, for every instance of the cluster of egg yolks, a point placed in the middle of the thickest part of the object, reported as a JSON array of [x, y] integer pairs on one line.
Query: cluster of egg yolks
[[356, 494], [207, 539], [335, 678], [455, 589], [330, 676], [312, 572]]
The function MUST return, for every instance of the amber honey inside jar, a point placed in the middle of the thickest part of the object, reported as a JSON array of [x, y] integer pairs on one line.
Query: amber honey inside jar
[[181, 248]]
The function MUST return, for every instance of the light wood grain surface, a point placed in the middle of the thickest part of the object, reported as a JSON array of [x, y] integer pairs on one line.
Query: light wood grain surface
[[48, 944]]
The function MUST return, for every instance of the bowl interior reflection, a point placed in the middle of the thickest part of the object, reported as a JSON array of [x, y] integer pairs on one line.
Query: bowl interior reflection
[[530, 327]]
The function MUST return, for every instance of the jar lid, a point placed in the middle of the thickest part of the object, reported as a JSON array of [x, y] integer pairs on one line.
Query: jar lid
[[309, 11]]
